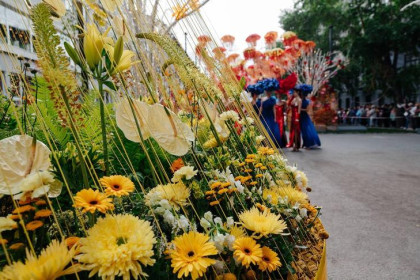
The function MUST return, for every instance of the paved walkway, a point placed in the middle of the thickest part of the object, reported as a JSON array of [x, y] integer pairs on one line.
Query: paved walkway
[[369, 187]]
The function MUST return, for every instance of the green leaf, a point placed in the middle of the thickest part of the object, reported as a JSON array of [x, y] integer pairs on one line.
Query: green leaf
[[111, 85]]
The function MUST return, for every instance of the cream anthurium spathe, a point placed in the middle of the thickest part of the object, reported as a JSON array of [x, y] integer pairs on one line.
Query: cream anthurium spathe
[[111, 5], [57, 6], [19, 158], [129, 116], [169, 131]]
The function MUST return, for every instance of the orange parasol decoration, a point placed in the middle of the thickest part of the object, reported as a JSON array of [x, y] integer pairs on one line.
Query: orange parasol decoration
[[228, 39], [250, 53], [289, 37], [203, 39], [309, 46], [219, 52], [271, 37], [232, 57], [252, 39]]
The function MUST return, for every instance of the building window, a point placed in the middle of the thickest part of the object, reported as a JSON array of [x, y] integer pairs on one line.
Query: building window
[[3, 33], [19, 38]]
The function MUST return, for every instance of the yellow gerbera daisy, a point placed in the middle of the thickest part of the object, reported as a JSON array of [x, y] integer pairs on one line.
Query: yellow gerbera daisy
[[117, 245], [262, 223], [293, 195], [190, 254], [247, 251], [50, 264], [117, 185], [176, 194], [269, 261], [91, 200]]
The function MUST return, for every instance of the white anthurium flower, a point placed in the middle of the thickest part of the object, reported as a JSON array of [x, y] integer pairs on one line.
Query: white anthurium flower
[[218, 221], [6, 223], [229, 222], [229, 115], [19, 158], [219, 266], [186, 172], [303, 212], [239, 186], [210, 112], [259, 139], [183, 223], [165, 204], [219, 242], [230, 239], [169, 131], [38, 184], [169, 218], [208, 216], [129, 116], [298, 218], [160, 210], [205, 224]]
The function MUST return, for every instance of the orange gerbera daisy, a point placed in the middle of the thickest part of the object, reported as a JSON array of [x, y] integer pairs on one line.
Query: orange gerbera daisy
[[31, 226], [177, 164], [71, 241], [23, 209], [117, 185], [91, 200], [16, 246], [3, 241], [43, 213]]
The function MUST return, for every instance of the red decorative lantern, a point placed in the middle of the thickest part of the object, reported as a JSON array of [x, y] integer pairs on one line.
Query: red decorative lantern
[[289, 37], [203, 39]]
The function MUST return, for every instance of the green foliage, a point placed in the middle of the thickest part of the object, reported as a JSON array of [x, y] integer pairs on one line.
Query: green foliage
[[371, 33]]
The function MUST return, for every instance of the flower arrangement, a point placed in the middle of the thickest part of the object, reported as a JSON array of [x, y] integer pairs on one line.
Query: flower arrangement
[[183, 186]]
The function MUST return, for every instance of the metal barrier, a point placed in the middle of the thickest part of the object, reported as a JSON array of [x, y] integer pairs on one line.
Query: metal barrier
[[405, 122]]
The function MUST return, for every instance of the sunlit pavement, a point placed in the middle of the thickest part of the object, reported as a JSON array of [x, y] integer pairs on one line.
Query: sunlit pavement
[[369, 187]]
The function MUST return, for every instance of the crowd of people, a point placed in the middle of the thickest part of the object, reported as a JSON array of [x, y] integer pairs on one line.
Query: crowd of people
[[279, 114], [404, 115]]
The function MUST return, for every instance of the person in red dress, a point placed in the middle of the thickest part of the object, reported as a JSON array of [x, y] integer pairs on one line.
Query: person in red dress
[[294, 104], [280, 110]]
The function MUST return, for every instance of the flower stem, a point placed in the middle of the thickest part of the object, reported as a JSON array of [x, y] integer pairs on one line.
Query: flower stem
[[103, 125]]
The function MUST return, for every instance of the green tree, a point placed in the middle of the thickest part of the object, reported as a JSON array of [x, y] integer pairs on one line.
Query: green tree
[[376, 36]]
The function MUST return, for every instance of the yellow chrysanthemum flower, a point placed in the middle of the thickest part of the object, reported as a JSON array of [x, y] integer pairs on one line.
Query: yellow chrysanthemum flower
[[176, 194], [117, 245], [237, 231], [190, 254], [117, 185], [262, 223], [93, 200], [50, 264], [269, 261], [293, 195], [211, 143], [247, 251]]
